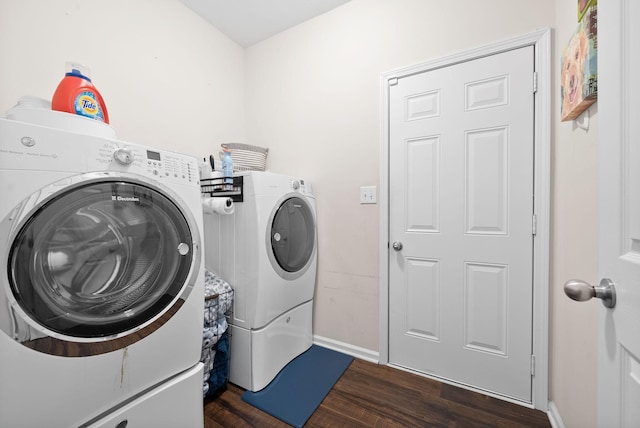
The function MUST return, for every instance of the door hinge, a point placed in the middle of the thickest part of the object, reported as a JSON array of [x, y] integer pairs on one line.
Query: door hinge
[[535, 82], [393, 81], [534, 225], [533, 365]]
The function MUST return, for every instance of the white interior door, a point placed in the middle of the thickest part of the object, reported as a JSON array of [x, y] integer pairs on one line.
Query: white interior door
[[461, 179], [619, 212]]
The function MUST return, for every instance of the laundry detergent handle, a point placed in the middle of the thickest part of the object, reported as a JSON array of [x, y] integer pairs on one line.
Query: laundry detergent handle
[[76, 94]]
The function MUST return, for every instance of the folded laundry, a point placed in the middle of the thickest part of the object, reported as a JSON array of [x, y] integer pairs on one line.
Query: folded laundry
[[208, 361], [207, 334], [205, 356], [211, 335], [210, 319], [216, 286], [220, 372], [215, 343]]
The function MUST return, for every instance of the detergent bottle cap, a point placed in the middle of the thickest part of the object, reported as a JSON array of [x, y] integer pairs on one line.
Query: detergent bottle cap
[[77, 70]]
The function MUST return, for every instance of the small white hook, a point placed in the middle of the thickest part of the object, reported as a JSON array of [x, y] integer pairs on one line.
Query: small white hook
[[582, 121]]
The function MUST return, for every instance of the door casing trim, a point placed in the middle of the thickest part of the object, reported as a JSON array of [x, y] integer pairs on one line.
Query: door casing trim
[[541, 41]]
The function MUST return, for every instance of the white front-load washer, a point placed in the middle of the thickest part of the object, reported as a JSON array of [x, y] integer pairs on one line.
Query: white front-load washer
[[267, 250], [101, 277]]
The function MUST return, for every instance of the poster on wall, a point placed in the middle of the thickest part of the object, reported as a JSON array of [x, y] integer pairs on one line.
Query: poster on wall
[[583, 6], [579, 73]]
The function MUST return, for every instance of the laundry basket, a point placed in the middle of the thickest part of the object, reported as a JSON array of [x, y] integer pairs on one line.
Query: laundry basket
[[215, 336], [247, 157]]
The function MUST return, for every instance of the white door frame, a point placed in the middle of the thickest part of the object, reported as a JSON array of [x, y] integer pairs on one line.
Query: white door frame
[[541, 40]]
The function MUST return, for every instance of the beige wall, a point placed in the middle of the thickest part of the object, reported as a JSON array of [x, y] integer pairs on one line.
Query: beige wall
[[311, 94], [313, 97], [573, 356], [168, 79]]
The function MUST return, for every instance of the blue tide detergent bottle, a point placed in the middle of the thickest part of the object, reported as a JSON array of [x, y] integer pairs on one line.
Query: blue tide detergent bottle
[[77, 95]]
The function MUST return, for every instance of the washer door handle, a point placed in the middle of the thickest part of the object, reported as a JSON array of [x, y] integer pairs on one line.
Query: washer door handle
[[183, 249]]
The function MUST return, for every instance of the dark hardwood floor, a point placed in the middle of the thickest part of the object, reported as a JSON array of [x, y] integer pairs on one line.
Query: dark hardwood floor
[[372, 395]]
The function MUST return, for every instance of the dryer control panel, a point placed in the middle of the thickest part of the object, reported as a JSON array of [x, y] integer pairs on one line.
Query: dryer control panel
[[302, 186]]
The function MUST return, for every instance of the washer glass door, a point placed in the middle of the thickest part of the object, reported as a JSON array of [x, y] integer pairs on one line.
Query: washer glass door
[[100, 259], [293, 237]]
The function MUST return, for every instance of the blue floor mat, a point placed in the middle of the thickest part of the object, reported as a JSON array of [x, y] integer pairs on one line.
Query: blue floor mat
[[297, 391]]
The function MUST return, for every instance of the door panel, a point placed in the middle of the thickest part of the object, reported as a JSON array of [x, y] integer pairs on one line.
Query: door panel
[[423, 322], [619, 212], [485, 310], [486, 185], [423, 189], [461, 203]]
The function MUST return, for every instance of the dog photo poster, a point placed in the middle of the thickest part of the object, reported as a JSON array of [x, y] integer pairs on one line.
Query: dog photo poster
[[579, 74], [583, 6]]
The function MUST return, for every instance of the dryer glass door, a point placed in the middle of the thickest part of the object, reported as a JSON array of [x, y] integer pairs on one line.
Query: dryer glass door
[[100, 259], [293, 235]]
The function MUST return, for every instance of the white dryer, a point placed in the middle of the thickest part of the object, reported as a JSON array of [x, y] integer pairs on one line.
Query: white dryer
[[267, 250], [101, 277]]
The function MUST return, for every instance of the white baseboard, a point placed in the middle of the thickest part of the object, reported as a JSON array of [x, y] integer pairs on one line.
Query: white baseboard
[[554, 416], [346, 348]]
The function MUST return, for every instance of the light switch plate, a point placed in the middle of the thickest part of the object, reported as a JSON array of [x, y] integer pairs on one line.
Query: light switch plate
[[368, 195]]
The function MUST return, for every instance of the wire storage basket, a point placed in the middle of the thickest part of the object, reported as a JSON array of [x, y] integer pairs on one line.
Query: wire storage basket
[[247, 157], [216, 187], [215, 355]]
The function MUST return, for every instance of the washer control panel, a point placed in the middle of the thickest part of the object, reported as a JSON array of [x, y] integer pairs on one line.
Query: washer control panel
[[158, 164], [40, 148], [123, 156]]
